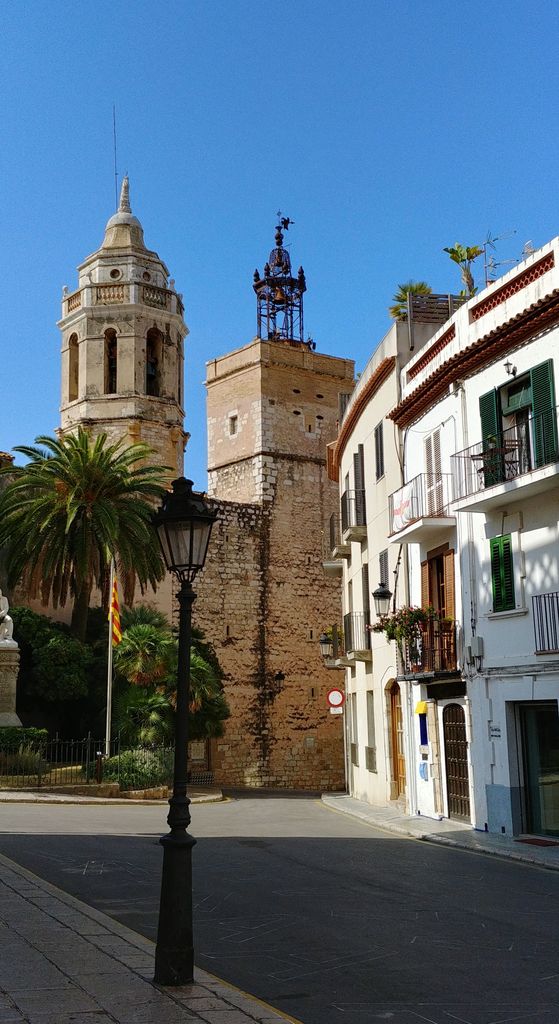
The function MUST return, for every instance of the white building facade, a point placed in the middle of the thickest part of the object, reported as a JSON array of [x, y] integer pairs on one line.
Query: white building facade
[[478, 513]]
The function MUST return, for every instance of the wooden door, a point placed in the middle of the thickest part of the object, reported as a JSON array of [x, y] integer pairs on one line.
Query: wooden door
[[456, 762], [397, 740]]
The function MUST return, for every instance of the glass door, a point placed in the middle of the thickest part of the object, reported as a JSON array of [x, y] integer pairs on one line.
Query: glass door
[[540, 745]]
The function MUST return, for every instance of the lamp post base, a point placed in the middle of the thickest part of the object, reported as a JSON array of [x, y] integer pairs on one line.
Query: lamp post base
[[174, 953]]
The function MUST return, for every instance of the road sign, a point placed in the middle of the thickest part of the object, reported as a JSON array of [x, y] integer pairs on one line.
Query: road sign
[[336, 698]]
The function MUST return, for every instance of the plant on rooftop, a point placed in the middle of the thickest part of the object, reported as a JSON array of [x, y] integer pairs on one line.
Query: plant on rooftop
[[399, 311], [464, 256]]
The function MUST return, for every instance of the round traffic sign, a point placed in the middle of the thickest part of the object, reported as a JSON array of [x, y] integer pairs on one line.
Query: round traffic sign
[[336, 698]]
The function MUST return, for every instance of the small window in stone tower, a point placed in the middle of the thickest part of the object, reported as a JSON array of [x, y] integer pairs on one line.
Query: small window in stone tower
[[111, 360], [154, 348], [233, 425], [73, 368]]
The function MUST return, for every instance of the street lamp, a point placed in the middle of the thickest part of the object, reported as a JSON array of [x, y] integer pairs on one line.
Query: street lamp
[[183, 524], [381, 597], [326, 645]]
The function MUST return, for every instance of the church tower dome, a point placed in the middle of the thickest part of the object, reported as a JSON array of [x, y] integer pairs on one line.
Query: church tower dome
[[122, 344]]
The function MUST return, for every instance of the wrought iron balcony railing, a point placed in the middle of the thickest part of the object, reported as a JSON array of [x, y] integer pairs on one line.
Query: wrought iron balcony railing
[[357, 637], [434, 649], [545, 609], [353, 510], [506, 455], [427, 495]]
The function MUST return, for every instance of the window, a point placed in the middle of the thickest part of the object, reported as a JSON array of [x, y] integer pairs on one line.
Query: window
[[354, 743], [110, 361], [379, 451], [233, 425], [502, 573], [370, 749], [73, 368], [383, 568], [433, 475], [154, 349]]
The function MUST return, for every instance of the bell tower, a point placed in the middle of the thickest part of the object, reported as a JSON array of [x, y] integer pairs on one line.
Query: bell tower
[[122, 344]]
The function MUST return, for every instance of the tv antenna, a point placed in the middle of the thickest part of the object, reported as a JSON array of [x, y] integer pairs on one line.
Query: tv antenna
[[490, 264]]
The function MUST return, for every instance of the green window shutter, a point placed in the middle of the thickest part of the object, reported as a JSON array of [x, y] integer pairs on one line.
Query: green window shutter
[[490, 415], [544, 423], [502, 573]]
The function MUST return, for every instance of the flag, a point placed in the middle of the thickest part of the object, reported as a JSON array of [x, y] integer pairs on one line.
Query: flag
[[114, 616]]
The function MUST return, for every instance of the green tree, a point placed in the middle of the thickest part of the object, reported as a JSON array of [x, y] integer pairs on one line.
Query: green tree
[[464, 256], [399, 311], [78, 503], [146, 654], [142, 715], [54, 664]]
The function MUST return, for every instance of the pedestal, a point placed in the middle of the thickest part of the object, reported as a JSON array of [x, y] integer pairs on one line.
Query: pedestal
[[9, 667]]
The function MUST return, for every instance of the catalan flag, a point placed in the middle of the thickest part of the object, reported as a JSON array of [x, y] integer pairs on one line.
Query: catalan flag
[[114, 616]]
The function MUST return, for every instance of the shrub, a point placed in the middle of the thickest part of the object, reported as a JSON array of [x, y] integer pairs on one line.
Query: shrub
[[138, 769], [24, 760], [12, 737]]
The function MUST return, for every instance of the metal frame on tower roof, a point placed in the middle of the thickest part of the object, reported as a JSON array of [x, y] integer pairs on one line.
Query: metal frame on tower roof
[[279, 295]]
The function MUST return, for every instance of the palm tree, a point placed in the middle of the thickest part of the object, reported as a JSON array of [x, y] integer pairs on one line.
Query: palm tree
[[146, 654], [142, 715], [399, 311], [464, 256], [78, 503]]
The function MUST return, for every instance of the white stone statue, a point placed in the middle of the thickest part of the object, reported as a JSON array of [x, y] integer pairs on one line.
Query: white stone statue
[[6, 624]]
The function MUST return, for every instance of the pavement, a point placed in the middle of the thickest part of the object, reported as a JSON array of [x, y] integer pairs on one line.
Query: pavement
[[63, 962], [446, 832]]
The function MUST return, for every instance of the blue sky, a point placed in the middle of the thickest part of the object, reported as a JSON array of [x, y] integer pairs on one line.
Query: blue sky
[[385, 129]]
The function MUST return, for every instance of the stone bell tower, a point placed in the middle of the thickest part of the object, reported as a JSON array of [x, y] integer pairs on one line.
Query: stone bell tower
[[122, 344]]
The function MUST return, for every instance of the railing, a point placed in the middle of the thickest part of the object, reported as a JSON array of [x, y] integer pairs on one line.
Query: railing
[[506, 455], [353, 509], [356, 635], [545, 609], [428, 494], [105, 294], [40, 764], [332, 537], [434, 649], [159, 297], [73, 301]]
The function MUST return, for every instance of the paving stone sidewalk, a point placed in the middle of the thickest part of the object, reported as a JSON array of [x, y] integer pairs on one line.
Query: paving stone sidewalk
[[62, 962], [446, 832]]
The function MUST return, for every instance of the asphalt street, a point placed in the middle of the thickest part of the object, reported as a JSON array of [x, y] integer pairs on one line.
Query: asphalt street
[[326, 918]]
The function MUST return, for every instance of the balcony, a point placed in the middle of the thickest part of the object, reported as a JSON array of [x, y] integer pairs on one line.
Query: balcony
[[419, 511], [332, 646], [357, 637], [333, 548], [433, 652], [545, 610], [510, 466], [354, 519]]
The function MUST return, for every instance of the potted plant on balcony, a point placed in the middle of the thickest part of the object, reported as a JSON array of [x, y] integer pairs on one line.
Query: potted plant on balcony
[[406, 626]]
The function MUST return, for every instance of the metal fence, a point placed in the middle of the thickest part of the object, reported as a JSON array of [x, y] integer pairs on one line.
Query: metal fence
[[545, 609], [57, 763]]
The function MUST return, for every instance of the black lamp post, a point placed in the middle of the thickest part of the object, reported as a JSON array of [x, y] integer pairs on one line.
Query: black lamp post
[[184, 524], [381, 597]]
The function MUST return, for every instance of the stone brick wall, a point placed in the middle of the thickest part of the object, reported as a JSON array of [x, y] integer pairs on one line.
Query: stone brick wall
[[263, 597]]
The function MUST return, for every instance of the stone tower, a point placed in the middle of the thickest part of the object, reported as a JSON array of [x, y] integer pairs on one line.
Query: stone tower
[[263, 598], [122, 344]]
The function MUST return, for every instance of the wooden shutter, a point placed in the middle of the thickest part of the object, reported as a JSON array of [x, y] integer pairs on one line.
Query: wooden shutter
[[379, 451], [502, 573], [425, 602], [449, 601], [383, 568], [543, 411], [490, 415], [366, 599], [434, 480]]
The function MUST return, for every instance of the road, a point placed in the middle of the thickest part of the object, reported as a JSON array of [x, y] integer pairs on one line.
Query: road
[[321, 915]]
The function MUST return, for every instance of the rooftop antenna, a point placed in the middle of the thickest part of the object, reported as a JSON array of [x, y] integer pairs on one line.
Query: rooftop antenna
[[528, 249], [489, 263], [114, 152]]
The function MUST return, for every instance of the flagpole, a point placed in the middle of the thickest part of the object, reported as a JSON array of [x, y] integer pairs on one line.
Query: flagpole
[[110, 666]]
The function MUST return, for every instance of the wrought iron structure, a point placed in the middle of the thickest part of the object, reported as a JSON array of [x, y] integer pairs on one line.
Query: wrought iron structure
[[279, 295]]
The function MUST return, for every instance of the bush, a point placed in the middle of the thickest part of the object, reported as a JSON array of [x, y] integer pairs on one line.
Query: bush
[[12, 737], [138, 769], [24, 760]]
